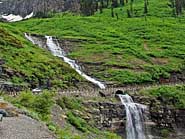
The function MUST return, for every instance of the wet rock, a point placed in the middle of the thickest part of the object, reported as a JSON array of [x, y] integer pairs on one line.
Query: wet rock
[[158, 116], [102, 94]]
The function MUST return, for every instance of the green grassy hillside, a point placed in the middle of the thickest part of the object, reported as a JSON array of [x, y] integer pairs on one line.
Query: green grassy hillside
[[25, 63], [127, 50], [135, 50]]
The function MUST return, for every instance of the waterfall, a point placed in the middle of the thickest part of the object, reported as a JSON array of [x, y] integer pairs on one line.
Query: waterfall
[[28, 37], [56, 50], [135, 119]]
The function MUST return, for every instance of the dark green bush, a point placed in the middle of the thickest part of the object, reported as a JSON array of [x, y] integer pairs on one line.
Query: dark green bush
[[173, 95], [78, 122], [40, 104], [70, 103], [165, 133]]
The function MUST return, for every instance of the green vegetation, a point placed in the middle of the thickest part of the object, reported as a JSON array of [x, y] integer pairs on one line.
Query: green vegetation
[[129, 50], [38, 105], [25, 63], [75, 112], [171, 95], [79, 123], [165, 133], [145, 48], [69, 103]]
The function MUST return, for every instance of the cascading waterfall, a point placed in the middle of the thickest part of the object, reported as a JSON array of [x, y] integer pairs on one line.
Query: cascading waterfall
[[56, 50], [134, 114], [29, 38]]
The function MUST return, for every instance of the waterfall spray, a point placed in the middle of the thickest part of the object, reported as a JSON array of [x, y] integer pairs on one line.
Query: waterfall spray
[[135, 119], [56, 50]]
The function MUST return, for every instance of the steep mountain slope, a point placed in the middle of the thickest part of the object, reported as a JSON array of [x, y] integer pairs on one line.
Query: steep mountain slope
[[25, 63], [146, 48], [124, 50]]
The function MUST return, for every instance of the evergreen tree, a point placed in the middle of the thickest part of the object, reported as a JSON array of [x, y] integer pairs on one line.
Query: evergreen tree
[[145, 7], [88, 7], [101, 6], [122, 2]]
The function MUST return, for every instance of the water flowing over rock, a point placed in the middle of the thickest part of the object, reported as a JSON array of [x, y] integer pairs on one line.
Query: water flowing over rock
[[29, 38], [57, 51], [134, 115]]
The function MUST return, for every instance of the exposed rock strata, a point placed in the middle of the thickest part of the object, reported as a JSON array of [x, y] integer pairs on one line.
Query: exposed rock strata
[[112, 116]]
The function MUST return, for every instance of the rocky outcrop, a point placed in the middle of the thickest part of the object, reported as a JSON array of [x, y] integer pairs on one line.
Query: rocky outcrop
[[106, 115], [162, 112], [10, 88], [112, 116], [180, 118], [25, 7], [6, 86]]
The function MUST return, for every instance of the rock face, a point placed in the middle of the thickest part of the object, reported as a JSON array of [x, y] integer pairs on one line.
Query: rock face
[[107, 116], [180, 118], [6, 86], [25, 7], [112, 116]]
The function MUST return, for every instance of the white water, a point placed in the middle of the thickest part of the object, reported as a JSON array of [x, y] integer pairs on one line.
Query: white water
[[15, 18], [29, 38], [57, 51], [134, 123]]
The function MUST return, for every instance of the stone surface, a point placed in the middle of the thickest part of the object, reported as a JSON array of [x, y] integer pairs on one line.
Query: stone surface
[[106, 115], [112, 116], [25, 7], [23, 127]]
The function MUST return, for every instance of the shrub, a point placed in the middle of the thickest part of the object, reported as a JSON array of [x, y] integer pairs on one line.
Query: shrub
[[174, 95], [39, 104], [165, 133], [26, 99], [70, 103], [77, 122], [43, 103]]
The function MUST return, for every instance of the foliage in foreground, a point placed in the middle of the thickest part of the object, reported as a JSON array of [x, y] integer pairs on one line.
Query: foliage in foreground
[[39, 107], [37, 104], [74, 111]]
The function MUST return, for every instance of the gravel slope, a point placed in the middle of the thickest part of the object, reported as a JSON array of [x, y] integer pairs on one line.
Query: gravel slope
[[23, 127]]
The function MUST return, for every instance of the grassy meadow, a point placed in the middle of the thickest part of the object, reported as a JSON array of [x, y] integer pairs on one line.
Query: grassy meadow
[[125, 51], [137, 50], [26, 63]]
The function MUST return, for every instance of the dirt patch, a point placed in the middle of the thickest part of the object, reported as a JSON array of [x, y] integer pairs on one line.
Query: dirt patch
[[160, 61], [23, 127], [146, 46]]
